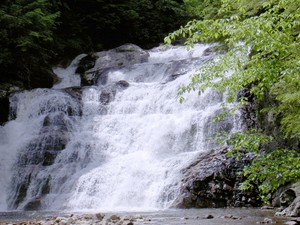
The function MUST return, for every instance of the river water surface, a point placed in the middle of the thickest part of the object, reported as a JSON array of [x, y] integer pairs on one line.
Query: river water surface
[[232, 216]]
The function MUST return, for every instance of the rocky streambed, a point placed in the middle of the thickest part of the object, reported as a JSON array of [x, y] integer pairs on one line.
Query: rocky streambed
[[232, 216]]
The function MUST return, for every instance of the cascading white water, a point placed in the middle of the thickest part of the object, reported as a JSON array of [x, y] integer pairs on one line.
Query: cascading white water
[[68, 76], [113, 148]]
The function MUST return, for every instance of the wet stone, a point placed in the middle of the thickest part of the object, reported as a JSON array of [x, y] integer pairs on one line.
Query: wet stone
[[100, 216], [291, 223], [115, 217], [33, 205], [106, 97], [267, 221], [122, 84], [209, 216]]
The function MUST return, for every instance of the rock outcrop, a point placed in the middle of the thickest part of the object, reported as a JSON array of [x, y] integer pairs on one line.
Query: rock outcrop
[[212, 181], [116, 58], [290, 201], [41, 152]]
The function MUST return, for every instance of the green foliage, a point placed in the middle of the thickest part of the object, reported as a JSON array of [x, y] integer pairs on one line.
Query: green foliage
[[204, 9], [26, 29], [31, 20], [287, 92], [272, 171], [262, 37], [264, 50], [268, 171], [247, 141], [34, 34], [92, 25]]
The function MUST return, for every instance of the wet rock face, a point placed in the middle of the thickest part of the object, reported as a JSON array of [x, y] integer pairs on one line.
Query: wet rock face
[[290, 201], [108, 92], [249, 109], [212, 181], [52, 139], [122, 84], [33, 205], [287, 197], [39, 154], [75, 93], [86, 63], [124, 55]]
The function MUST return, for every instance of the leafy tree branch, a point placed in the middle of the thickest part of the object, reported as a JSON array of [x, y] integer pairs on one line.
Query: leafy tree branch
[[262, 38]]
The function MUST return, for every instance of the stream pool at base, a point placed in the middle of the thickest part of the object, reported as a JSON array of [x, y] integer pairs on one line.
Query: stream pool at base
[[228, 216]]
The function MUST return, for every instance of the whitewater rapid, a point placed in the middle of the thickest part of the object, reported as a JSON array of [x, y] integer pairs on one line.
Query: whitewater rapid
[[106, 146]]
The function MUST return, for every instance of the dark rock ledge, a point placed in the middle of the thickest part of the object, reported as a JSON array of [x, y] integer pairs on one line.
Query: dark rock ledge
[[212, 182]]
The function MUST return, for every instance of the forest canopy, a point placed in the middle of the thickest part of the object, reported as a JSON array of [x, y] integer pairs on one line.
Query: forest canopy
[[35, 34]]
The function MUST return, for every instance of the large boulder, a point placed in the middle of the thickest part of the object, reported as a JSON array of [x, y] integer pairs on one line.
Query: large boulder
[[124, 55], [290, 201], [86, 63], [212, 181]]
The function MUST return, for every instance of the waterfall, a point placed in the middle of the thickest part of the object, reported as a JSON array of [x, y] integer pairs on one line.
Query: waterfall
[[68, 76], [119, 144]]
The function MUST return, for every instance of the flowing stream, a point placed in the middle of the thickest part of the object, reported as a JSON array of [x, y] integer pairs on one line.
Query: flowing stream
[[115, 145]]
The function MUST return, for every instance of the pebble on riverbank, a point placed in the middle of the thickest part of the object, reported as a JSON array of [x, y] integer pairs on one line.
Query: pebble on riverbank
[[122, 219], [85, 219]]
